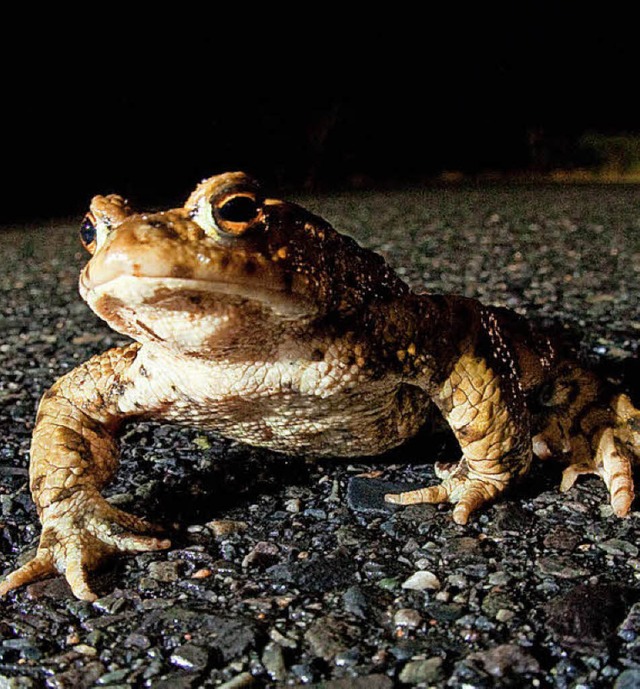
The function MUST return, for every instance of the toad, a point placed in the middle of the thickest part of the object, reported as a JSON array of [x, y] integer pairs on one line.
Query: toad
[[255, 318]]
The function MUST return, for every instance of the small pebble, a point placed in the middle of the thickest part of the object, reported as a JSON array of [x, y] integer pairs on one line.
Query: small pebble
[[244, 679], [190, 657], [165, 571], [273, 661], [223, 528], [407, 617], [506, 659], [355, 602], [422, 580], [504, 615], [429, 671], [263, 555]]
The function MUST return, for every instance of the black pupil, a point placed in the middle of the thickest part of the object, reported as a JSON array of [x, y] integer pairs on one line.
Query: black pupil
[[87, 231], [239, 209]]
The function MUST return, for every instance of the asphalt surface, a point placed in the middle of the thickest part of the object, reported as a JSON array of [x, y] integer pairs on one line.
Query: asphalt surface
[[291, 572]]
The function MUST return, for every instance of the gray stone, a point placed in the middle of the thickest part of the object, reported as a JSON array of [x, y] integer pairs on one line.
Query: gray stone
[[165, 571], [263, 554], [416, 671], [561, 567], [506, 659], [367, 494], [273, 661], [16, 682], [355, 602], [421, 581], [329, 636], [629, 679], [589, 614], [407, 617], [369, 682], [190, 657]]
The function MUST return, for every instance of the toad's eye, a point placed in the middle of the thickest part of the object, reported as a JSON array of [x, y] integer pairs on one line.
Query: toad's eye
[[237, 212], [88, 232], [238, 209]]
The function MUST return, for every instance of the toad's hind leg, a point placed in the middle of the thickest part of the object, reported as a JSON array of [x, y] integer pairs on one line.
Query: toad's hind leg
[[582, 423], [489, 419], [614, 446]]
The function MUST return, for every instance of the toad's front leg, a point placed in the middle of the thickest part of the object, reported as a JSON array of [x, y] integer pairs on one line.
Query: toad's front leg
[[73, 454], [487, 414]]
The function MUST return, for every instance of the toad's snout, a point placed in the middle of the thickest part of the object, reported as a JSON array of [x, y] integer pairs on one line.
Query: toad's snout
[[173, 249]]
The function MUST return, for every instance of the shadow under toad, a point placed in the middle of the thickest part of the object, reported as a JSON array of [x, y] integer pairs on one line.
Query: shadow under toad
[[195, 477]]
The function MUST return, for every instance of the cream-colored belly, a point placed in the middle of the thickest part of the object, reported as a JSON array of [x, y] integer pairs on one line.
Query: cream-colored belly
[[349, 424], [298, 409]]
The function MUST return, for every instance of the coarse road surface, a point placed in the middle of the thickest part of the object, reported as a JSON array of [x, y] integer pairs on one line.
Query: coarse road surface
[[287, 572]]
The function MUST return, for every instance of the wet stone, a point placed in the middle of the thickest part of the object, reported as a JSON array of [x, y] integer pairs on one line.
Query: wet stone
[[561, 538], [80, 676], [355, 602], [320, 574], [498, 578], [462, 550], [175, 681], [273, 661], [630, 627], [330, 636], [262, 555], [406, 649], [368, 682], [164, 571], [421, 581], [136, 640], [114, 677], [628, 679], [16, 682], [617, 546], [507, 659], [445, 612], [429, 671], [495, 602], [589, 614], [27, 648], [504, 615], [510, 519], [305, 672], [367, 494], [561, 567], [407, 617], [223, 528], [226, 636], [56, 588], [242, 681], [190, 657]]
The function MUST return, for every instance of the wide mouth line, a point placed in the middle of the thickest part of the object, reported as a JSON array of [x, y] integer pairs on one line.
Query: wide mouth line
[[181, 282], [276, 298]]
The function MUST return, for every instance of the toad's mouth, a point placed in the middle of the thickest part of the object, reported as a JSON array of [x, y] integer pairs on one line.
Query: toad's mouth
[[190, 295], [194, 316]]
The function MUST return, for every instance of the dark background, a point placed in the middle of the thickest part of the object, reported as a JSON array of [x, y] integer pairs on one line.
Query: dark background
[[312, 99]]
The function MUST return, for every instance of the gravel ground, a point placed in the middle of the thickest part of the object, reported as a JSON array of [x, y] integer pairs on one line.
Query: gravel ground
[[291, 572]]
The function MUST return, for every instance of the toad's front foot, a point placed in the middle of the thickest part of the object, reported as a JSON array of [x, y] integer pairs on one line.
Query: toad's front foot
[[467, 489], [78, 533]]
